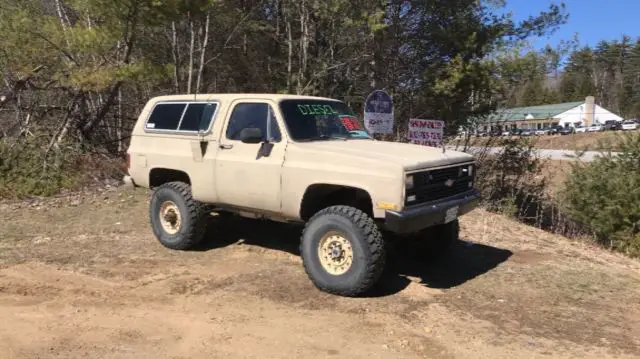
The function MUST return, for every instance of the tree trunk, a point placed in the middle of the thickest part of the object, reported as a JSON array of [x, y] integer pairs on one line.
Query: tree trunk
[[61, 15], [203, 49], [176, 58], [290, 56], [191, 50], [119, 123], [304, 45]]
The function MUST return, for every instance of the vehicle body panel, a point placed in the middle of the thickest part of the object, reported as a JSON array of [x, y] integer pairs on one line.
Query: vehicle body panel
[[245, 177]]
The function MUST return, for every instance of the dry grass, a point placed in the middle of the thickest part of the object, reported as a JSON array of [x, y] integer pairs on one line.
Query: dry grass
[[555, 173], [91, 280]]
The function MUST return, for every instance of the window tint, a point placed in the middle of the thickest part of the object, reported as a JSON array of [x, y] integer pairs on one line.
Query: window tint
[[252, 115], [198, 117], [166, 116]]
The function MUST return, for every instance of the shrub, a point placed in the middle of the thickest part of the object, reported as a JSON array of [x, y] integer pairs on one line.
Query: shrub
[[604, 195], [511, 181], [26, 169]]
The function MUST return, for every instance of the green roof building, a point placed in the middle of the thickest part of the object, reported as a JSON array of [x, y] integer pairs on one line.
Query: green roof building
[[574, 114]]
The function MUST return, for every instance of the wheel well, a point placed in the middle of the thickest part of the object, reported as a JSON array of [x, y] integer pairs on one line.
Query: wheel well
[[160, 176], [320, 196]]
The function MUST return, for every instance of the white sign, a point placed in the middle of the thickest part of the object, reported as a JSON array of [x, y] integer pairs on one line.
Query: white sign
[[426, 132], [378, 113]]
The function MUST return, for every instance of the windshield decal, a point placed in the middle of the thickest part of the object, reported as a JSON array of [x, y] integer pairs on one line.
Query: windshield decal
[[351, 123], [313, 110]]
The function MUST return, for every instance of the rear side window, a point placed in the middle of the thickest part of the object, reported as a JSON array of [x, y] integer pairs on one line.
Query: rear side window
[[198, 117], [166, 116], [191, 117]]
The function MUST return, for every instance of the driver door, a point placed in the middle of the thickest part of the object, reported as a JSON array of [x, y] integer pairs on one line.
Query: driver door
[[248, 174]]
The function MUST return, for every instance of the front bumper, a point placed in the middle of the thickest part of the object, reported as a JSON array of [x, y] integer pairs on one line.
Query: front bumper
[[427, 215]]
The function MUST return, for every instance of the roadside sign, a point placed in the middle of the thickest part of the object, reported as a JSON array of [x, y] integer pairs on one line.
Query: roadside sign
[[378, 113], [426, 132]]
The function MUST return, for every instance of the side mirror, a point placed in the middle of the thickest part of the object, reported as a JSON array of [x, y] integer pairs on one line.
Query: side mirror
[[251, 135]]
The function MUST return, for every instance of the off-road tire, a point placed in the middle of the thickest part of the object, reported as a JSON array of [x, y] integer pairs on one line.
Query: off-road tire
[[193, 216], [434, 242], [365, 238]]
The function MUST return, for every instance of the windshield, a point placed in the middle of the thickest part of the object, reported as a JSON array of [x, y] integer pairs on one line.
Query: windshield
[[309, 120]]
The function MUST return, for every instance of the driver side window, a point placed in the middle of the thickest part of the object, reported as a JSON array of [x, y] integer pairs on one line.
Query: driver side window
[[252, 115]]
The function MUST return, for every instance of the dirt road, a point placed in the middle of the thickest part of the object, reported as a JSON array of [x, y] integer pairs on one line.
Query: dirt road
[[90, 281]]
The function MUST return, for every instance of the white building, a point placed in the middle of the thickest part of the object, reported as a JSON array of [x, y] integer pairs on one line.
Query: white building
[[570, 114], [580, 115]]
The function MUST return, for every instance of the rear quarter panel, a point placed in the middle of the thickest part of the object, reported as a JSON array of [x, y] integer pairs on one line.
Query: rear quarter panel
[[149, 150]]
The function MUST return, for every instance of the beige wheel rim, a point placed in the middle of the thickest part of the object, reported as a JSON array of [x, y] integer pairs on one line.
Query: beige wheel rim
[[336, 253], [170, 217]]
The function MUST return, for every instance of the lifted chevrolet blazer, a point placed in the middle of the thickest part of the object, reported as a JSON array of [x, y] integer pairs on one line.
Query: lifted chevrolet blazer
[[297, 159]]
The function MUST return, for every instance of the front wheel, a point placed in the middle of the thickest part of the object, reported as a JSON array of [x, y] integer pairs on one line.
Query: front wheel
[[343, 251]]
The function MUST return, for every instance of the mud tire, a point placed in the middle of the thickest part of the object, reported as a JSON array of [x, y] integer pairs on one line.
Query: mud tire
[[365, 239], [193, 216]]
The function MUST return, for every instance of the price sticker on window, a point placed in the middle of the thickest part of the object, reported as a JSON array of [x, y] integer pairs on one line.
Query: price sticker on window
[[350, 123]]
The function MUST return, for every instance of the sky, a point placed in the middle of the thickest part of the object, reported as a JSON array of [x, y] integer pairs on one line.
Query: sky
[[593, 20]]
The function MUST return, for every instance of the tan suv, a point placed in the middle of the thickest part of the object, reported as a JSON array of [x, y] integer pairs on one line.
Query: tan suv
[[297, 159]]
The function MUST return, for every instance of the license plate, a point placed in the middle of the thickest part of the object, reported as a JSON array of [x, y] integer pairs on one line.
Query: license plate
[[451, 215]]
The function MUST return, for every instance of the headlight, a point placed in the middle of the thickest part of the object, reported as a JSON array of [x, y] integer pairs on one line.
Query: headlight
[[409, 182], [465, 171]]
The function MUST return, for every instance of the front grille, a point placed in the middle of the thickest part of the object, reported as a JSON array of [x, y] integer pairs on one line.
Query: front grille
[[431, 185]]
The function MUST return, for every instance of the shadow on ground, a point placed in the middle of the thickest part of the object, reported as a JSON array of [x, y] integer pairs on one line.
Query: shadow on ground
[[464, 262], [225, 231]]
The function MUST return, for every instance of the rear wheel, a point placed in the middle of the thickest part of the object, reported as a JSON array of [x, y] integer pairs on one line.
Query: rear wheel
[[342, 251], [177, 220]]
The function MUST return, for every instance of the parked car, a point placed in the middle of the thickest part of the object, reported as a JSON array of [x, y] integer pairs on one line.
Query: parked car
[[629, 125], [555, 130], [580, 129], [566, 131], [527, 132], [543, 132], [596, 127], [612, 125]]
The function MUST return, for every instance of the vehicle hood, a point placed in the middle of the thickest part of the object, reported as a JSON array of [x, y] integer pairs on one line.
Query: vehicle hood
[[411, 157]]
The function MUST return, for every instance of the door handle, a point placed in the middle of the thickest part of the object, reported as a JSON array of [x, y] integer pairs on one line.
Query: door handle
[[226, 147]]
